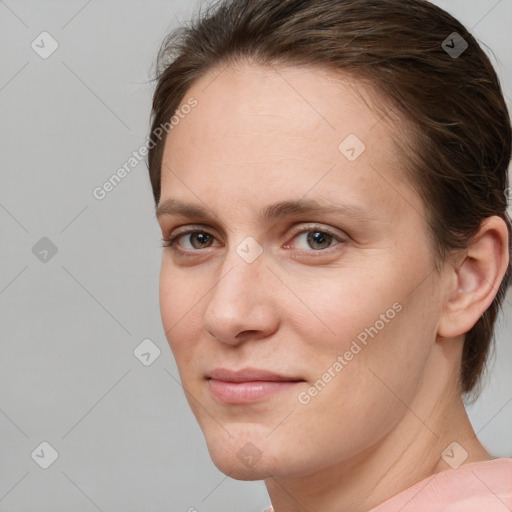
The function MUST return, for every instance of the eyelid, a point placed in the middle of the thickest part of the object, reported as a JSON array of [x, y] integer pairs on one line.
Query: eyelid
[[191, 228], [312, 254], [321, 228]]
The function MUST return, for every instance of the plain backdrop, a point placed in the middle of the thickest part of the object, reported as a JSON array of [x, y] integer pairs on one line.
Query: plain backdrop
[[79, 276]]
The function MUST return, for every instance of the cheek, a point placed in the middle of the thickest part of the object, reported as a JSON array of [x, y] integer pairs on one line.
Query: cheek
[[365, 398], [180, 297], [366, 331], [343, 306]]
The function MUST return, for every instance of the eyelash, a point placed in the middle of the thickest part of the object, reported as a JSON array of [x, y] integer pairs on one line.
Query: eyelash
[[170, 242]]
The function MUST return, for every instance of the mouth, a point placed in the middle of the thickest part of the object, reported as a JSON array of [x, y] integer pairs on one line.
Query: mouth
[[248, 385]]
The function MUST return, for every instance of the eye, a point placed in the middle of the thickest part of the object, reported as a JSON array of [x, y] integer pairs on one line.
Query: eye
[[311, 239], [197, 239], [316, 238]]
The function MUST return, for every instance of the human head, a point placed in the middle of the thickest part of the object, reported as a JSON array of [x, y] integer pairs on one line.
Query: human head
[[457, 146], [446, 115]]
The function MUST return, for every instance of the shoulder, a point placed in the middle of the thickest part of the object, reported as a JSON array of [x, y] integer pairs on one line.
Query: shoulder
[[473, 487]]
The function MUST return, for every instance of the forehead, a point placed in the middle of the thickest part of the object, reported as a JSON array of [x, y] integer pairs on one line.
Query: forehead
[[283, 132]]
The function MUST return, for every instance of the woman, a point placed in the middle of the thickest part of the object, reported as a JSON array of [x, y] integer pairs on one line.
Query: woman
[[331, 190]]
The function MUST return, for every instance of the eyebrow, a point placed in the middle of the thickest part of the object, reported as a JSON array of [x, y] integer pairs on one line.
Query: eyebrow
[[270, 212]]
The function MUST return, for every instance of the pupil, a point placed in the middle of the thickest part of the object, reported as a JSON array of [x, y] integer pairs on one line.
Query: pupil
[[319, 238], [202, 238]]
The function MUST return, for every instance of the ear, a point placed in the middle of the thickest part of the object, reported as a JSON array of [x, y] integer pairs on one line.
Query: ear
[[475, 281]]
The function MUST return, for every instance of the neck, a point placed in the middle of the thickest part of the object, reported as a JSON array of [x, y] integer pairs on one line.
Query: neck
[[411, 452]]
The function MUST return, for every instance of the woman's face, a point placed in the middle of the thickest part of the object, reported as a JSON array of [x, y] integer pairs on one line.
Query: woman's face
[[341, 306]]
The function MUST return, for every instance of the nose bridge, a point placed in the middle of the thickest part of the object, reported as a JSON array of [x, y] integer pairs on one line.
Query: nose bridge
[[243, 268], [238, 300], [239, 280]]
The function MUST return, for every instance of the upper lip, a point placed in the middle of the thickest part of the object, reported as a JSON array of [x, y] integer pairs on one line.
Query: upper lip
[[247, 375]]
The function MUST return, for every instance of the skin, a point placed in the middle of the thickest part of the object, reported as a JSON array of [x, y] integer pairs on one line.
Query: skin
[[261, 135]]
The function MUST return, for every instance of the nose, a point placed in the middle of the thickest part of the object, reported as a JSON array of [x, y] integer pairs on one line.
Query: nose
[[241, 305]]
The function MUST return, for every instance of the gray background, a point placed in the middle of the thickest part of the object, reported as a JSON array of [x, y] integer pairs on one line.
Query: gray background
[[125, 437]]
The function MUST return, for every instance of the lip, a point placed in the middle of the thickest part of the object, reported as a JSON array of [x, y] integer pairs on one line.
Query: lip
[[248, 385], [248, 375]]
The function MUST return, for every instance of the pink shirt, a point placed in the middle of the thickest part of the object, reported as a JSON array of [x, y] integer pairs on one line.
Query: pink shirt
[[476, 487]]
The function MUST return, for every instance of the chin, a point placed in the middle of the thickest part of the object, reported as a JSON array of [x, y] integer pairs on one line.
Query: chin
[[252, 458], [241, 467], [238, 471], [244, 457]]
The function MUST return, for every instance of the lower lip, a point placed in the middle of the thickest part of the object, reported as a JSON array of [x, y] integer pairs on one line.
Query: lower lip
[[246, 392]]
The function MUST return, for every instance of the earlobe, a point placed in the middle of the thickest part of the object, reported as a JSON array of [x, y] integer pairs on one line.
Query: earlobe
[[476, 279]]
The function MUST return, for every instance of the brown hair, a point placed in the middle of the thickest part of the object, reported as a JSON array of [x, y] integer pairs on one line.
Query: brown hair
[[458, 144]]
